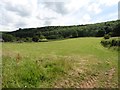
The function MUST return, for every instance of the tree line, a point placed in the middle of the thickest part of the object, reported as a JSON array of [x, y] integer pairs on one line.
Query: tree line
[[41, 34]]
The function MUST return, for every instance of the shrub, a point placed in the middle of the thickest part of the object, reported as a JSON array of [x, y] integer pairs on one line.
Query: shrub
[[113, 42], [42, 37], [28, 39], [43, 40], [35, 38], [106, 36]]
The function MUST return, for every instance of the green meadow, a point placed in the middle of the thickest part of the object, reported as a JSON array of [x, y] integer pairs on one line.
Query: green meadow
[[77, 63]]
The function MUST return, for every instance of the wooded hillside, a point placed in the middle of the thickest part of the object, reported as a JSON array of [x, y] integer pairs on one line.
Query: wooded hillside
[[60, 32]]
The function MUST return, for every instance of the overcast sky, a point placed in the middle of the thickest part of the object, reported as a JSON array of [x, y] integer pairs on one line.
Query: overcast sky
[[16, 14]]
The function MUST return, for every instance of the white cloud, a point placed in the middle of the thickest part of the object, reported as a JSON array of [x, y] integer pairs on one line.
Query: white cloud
[[86, 18], [107, 2], [36, 13], [94, 7], [74, 5]]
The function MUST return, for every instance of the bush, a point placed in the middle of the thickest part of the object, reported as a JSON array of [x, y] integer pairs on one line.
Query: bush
[[42, 37], [106, 36], [28, 39], [43, 40], [113, 42], [35, 38]]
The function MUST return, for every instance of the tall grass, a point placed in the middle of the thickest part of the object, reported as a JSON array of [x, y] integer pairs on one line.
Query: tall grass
[[33, 73]]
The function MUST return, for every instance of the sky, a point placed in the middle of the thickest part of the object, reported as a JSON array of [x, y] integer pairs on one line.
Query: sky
[[15, 14]]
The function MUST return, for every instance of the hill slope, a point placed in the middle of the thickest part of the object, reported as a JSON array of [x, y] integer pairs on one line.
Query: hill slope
[[61, 32], [78, 63]]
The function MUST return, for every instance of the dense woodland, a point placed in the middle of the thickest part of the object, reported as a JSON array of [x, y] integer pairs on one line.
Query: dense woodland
[[110, 29]]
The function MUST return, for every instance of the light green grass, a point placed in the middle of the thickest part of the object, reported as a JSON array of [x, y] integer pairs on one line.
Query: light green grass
[[55, 61], [80, 46]]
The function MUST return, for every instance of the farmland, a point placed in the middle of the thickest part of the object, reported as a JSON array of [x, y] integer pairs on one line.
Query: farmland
[[79, 62]]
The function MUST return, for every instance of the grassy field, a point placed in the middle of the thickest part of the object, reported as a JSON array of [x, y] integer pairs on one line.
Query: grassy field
[[81, 63]]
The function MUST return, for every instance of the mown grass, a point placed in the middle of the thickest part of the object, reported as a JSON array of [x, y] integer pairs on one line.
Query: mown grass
[[45, 64]]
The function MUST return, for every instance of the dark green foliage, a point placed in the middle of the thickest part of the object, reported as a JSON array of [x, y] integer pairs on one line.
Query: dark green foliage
[[100, 33], [107, 36], [35, 38], [116, 31], [53, 37], [60, 32], [113, 42], [28, 39], [80, 33], [8, 38], [42, 37], [0, 35]]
